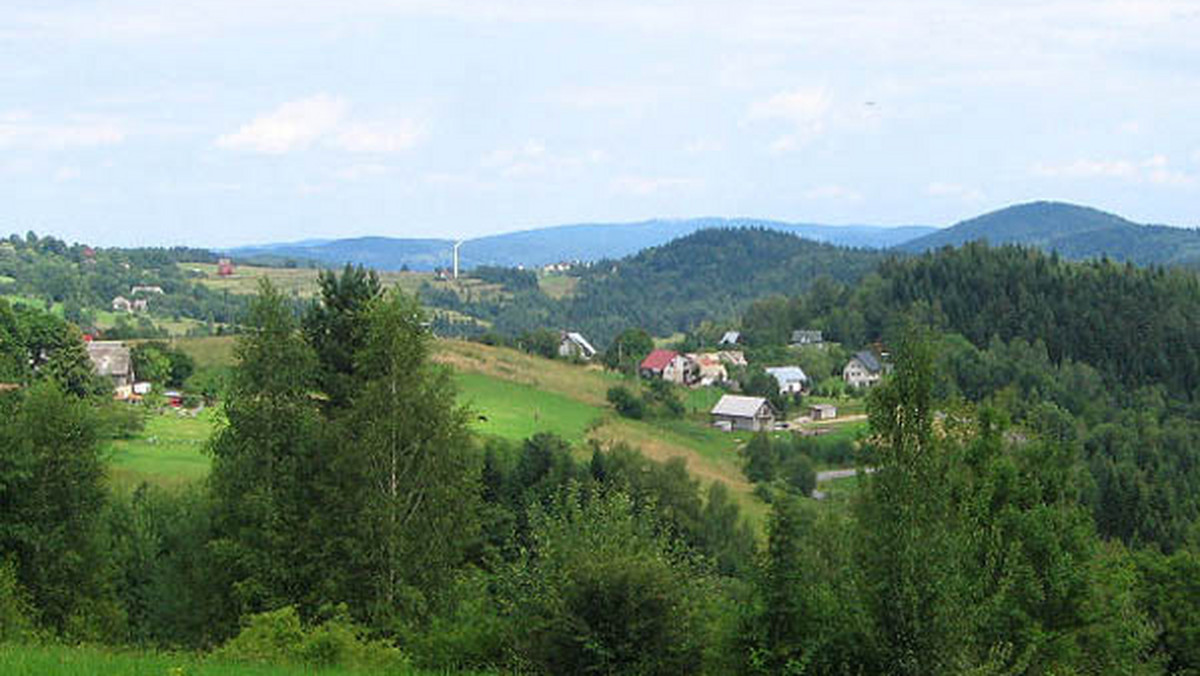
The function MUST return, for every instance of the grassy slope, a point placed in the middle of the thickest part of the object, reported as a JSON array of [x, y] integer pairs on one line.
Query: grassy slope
[[20, 660], [169, 451]]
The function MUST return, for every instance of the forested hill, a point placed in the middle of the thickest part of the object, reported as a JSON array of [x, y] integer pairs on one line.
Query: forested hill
[[711, 274], [541, 246], [1073, 231]]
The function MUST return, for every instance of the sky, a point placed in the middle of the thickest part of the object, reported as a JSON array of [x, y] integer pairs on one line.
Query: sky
[[231, 122]]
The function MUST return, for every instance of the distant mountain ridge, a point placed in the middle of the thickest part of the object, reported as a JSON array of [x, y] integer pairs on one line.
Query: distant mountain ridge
[[1074, 231], [587, 241]]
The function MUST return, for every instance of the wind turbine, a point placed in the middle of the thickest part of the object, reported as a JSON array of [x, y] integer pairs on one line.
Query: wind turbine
[[456, 245]]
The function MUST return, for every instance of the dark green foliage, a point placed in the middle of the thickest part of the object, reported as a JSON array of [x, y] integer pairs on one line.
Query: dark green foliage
[[334, 327], [1169, 590], [542, 342], [628, 349], [161, 363], [51, 492], [760, 458], [511, 279], [626, 403]]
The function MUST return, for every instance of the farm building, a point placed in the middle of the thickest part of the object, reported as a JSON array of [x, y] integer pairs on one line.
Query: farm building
[[571, 344], [791, 379], [863, 370], [822, 412], [734, 412], [112, 359], [711, 369], [669, 365], [801, 337]]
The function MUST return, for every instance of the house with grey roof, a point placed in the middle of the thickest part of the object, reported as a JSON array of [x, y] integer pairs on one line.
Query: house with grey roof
[[802, 337], [791, 379], [735, 412], [574, 345], [863, 370], [112, 359]]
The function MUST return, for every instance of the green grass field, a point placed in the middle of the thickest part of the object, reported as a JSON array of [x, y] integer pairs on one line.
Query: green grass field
[[516, 411], [169, 451], [23, 660], [557, 286]]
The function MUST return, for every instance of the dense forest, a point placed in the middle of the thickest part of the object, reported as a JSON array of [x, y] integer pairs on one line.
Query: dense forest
[[988, 539]]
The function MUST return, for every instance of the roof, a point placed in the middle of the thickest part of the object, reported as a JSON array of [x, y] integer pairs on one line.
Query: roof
[[735, 357], [731, 338], [706, 359], [806, 336], [739, 406], [787, 374], [657, 360], [582, 342], [111, 358], [869, 361]]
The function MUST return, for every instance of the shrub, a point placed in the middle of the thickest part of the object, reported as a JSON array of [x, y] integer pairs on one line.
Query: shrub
[[278, 636], [15, 623], [626, 403]]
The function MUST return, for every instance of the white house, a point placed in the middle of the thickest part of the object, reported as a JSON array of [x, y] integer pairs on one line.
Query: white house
[[791, 379], [734, 412], [572, 344], [863, 370]]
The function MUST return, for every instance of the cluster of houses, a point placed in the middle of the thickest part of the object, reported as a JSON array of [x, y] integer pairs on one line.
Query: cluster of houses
[[135, 304]]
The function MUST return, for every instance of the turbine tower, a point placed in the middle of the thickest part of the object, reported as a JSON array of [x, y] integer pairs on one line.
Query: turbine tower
[[456, 245]]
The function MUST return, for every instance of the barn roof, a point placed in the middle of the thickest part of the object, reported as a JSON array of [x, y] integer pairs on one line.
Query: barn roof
[[738, 406], [582, 342], [111, 358], [658, 359]]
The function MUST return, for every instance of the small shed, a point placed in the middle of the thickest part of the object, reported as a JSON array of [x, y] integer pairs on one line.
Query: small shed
[[743, 413], [822, 412]]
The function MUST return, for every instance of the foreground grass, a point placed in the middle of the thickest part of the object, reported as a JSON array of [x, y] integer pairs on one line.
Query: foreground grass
[[23, 660], [169, 451]]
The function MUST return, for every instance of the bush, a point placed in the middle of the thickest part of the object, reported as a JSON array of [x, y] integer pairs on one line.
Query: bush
[[626, 403], [15, 622], [278, 636]]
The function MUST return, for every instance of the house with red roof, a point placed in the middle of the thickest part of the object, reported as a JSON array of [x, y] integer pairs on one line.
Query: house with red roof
[[669, 365]]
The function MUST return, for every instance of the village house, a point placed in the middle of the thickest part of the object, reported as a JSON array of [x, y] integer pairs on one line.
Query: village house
[[111, 359], [730, 339], [123, 304], [574, 345], [225, 267], [669, 365], [818, 412], [711, 369], [145, 289], [791, 379], [863, 370], [802, 337], [735, 412], [732, 357]]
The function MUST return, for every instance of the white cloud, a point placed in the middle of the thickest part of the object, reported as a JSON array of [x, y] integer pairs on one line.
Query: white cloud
[[19, 129], [805, 110], [379, 138], [293, 125], [954, 190], [702, 145], [66, 174], [358, 172], [1154, 169], [649, 185], [533, 159], [833, 193], [325, 120]]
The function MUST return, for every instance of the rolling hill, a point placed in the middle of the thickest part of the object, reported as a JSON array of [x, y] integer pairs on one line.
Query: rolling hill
[[541, 246], [1074, 231]]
